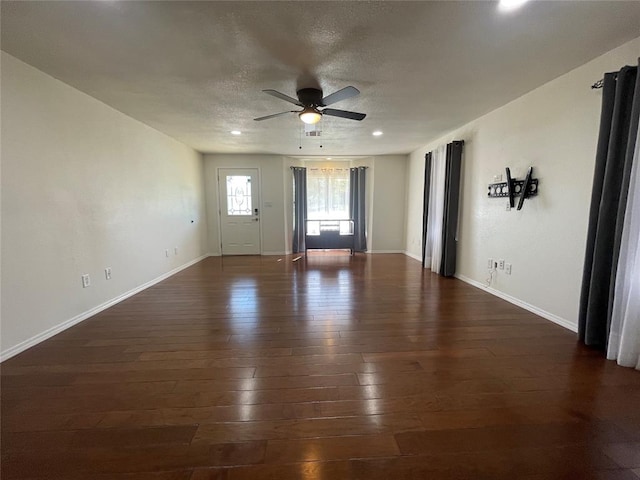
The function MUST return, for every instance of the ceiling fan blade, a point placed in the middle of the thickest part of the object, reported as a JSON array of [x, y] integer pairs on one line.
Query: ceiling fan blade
[[343, 114], [271, 116], [282, 96], [342, 94]]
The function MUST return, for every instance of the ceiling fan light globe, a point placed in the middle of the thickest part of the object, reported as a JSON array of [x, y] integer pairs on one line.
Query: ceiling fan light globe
[[510, 5], [310, 117]]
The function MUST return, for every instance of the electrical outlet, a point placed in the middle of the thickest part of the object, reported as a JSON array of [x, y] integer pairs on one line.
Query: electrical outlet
[[508, 207], [166, 253], [507, 268], [501, 264], [175, 250], [490, 264], [86, 281], [107, 273]]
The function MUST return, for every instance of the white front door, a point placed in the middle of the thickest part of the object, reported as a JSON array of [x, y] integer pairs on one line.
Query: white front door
[[239, 211]]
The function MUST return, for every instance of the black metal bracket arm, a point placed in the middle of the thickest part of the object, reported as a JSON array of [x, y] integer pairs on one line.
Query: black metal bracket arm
[[514, 188], [526, 187], [510, 186]]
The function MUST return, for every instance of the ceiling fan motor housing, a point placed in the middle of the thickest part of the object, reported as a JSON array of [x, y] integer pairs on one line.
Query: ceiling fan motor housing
[[310, 97]]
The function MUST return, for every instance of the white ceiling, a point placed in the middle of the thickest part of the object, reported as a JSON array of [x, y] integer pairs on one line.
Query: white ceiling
[[195, 70]]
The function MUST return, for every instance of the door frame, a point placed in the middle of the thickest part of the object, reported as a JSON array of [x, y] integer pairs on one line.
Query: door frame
[[220, 203]]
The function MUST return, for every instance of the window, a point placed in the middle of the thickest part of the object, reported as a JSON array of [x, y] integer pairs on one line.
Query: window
[[239, 195], [327, 193]]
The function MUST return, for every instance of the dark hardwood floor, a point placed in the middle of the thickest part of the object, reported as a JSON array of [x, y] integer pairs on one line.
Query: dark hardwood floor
[[330, 367]]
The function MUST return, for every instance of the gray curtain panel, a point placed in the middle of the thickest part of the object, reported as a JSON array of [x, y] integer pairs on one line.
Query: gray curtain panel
[[425, 205], [357, 197], [614, 157], [299, 208], [451, 202]]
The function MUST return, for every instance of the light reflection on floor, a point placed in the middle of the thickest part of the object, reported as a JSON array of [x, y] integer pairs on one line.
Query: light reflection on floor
[[243, 300]]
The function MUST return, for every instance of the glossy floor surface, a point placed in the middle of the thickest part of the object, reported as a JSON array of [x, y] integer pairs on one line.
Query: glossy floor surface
[[329, 367]]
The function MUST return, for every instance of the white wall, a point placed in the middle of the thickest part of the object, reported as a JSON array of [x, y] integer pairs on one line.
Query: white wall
[[554, 129], [272, 191], [413, 211], [85, 187], [388, 210]]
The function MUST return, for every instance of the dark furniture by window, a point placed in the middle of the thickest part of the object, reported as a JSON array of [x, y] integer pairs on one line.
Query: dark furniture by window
[[329, 234]]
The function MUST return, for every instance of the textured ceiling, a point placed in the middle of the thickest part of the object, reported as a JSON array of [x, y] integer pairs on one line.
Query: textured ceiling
[[195, 70]]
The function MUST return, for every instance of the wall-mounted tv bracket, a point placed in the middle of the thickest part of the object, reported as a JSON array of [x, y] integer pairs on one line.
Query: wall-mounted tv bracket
[[515, 188]]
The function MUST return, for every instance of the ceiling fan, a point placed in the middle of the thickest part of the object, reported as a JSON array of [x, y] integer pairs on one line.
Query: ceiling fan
[[311, 101]]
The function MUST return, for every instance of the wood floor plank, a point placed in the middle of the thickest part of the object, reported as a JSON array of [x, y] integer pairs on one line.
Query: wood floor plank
[[360, 367], [266, 383], [307, 428], [566, 462], [171, 475], [128, 437], [502, 437], [330, 448]]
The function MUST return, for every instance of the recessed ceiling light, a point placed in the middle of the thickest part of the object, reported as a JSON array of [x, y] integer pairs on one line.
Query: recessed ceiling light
[[509, 5], [377, 133], [236, 132], [329, 158]]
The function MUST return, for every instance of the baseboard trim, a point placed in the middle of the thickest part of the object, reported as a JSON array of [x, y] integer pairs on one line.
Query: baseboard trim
[[415, 257], [527, 306], [385, 251], [41, 337]]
